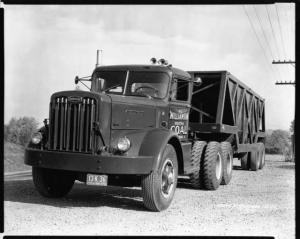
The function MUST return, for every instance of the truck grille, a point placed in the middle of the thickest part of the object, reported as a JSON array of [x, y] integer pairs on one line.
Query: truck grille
[[71, 124]]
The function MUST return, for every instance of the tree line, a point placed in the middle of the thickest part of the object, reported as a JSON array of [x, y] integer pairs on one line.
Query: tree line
[[19, 131]]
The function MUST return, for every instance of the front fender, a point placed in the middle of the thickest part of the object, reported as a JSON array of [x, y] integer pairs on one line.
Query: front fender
[[154, 143]]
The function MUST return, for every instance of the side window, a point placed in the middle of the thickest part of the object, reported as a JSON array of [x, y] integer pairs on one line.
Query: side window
[[180, 90]]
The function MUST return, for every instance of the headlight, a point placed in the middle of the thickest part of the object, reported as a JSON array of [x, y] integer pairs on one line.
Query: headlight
[[36, 138], [123, 144]]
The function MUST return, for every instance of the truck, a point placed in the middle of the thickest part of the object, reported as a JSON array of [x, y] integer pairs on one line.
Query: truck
[[145, 125]]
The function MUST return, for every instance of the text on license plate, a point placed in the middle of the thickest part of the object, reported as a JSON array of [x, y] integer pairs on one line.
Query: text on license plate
[[94, 179]]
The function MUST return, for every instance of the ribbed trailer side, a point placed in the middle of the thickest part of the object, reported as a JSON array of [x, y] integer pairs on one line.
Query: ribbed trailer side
[[223, 107]]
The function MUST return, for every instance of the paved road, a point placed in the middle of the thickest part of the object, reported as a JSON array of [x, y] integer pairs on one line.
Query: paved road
[[254, 204]]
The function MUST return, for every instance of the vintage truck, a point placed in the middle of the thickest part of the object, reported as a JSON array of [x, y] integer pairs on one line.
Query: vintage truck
[[144, 125]]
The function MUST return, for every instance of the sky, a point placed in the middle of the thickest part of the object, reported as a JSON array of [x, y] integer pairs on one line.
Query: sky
[[46, 46]]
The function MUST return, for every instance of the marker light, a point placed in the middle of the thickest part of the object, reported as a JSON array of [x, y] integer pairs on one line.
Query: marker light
[[153, 60], [123, 144], [36, 138]]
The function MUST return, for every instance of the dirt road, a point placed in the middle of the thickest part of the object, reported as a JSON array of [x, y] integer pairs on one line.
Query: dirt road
[[254, 204]]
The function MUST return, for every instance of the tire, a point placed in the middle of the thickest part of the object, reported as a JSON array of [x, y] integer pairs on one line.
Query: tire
[[245, 162], [196, 176], [159, 186], [52, 183], [262, 155], [227, 156], [254, 160], [212, 166]]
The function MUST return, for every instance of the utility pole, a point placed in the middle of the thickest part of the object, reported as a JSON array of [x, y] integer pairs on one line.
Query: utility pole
[[285, 62], [288, 83]]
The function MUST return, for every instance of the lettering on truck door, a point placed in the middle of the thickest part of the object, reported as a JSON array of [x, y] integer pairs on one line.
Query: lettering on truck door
[[179, 108]]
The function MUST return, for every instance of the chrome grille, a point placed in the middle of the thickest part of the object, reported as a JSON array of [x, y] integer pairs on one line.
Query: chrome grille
[[71, 124]]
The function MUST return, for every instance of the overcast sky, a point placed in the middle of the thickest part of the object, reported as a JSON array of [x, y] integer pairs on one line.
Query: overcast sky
[[46, 46]]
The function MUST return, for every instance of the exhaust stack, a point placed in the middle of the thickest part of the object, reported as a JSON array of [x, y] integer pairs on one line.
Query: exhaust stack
[[97, 59]]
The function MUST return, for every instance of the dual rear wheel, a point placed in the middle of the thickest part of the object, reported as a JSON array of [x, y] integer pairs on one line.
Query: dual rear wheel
[[254, 160], [211, 164]]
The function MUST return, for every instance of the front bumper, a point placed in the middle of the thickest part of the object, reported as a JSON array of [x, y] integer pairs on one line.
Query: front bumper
[[112, 164]]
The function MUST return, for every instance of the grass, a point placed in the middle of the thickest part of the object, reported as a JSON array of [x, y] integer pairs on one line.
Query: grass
[[14, 158]]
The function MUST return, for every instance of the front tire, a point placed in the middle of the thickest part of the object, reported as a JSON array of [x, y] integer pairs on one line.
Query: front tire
[[159, 186], [52, 183], [213, 166]]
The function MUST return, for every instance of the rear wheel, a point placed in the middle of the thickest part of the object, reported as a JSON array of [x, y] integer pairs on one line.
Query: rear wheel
[[262, 155], [227, 157], [52, 183], [254, 160], [212, 166], [245, 164], [196, 175], [159, 186]]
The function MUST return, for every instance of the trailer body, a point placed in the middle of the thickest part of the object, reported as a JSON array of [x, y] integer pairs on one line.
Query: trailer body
[[224, 105]]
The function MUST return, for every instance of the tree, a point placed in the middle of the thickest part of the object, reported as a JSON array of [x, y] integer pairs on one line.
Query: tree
[[278, 142], [292, 126], [20, 130]]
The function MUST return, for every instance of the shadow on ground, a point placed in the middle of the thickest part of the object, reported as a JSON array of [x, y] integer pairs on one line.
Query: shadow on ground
[[80, 196]]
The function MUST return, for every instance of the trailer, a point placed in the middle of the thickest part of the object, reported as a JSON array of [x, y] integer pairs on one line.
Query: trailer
[[143, 125], [225, 106]]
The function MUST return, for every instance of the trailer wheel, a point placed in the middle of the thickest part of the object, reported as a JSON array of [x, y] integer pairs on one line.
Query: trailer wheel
[[245, 162], [254, 160], [159, 186], [52, 183], [212, 166], [227, 157], [197, 158], [262, 155]]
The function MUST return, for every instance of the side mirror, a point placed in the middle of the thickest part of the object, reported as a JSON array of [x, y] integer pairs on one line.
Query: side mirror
[[76, 80]]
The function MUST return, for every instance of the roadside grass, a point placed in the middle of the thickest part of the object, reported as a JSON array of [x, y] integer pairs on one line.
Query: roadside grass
[[14, 158]]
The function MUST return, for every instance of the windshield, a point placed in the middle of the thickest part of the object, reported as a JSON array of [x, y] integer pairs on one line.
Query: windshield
[[143, 84], [109, 81]]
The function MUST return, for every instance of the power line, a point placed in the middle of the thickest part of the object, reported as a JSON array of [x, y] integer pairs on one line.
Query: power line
[[263, 31], [265, 37], [257, 38], [280, 31], [278, 52], [291, 25]]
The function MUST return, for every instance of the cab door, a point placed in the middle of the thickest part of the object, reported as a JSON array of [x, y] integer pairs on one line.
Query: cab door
[[179, 107]]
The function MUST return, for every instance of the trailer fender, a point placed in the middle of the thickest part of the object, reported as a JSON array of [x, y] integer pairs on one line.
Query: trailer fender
[[154, 143]]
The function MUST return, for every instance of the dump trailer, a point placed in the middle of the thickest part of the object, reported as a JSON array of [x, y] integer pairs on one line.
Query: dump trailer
[[144, 125]]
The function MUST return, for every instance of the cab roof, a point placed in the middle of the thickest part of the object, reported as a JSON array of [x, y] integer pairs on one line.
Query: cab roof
[[160, 68]]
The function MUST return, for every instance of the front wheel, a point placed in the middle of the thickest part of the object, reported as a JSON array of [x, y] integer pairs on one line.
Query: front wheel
[[159, 186], [52, 183]]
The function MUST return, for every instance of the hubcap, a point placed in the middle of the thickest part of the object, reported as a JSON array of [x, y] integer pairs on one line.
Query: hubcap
[[168, 178], [218, 166]]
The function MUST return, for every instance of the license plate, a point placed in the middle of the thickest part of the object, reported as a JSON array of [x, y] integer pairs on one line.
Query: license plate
[[98, 180]]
